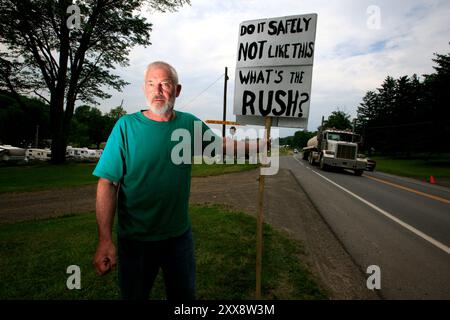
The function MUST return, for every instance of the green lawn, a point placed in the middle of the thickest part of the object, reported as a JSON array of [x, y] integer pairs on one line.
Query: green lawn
[[45, 176], [204, 170], [35, 256], [420, 168]]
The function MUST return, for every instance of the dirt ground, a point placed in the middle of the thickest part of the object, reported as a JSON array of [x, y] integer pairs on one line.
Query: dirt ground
[[286, 207]]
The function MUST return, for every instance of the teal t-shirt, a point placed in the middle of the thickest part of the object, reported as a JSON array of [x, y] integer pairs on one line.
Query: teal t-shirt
[[153, 196]]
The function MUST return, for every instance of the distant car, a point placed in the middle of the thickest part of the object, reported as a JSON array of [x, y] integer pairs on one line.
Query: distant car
[[295, 151], [370, 163]]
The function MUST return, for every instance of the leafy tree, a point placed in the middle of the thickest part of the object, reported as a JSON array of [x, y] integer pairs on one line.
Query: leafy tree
[[286, 141], [338, 120], [111, 118], [301, 138], [41, 53], [298, 140], [116, 113], [19, 123], [91, 127]]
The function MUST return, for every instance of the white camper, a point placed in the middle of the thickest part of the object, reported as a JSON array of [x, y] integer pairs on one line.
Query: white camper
[[38, 154], [83, 153], [10, 153]]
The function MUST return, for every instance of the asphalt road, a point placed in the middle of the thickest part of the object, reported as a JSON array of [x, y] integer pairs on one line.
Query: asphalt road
[[398, 224]]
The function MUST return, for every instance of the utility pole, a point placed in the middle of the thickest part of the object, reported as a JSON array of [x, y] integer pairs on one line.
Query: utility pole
[[37, 136], [225, 102]]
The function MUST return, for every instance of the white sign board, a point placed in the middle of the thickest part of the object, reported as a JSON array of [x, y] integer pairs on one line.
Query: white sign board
[[274, 70]]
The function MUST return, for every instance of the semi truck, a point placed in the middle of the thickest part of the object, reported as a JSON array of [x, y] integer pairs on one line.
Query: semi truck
[[333, 148]]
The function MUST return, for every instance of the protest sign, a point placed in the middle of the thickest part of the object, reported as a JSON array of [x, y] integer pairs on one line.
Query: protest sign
[[274, 70]]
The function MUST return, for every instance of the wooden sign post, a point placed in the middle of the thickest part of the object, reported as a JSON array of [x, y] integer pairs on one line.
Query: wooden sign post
[[260, 216]]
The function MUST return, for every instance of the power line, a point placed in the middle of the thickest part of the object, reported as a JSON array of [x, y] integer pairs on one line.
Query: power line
[[187, 104]]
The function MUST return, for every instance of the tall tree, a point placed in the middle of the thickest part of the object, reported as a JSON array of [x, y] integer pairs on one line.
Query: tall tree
[[44, 51], [368, 108], [386, 97], [438, 88], [301, 138]]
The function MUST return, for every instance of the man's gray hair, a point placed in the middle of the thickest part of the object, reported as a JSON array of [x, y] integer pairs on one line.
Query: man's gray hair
[[163, 64]]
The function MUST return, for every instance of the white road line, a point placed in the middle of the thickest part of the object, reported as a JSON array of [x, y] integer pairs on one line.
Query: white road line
[[388, 215]]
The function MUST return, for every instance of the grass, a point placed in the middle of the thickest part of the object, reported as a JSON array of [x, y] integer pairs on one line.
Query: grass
[[285, 151], [36, 254], [205, 170], [44, 176], [420, 168]]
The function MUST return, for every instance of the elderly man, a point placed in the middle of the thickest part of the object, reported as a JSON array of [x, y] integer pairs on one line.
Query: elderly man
[[151, 193]]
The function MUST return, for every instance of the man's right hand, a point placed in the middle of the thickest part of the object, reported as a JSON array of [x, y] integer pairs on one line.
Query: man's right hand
[[105, 257]]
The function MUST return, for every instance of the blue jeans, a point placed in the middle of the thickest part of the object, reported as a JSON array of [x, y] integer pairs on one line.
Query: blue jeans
[[140, 261]]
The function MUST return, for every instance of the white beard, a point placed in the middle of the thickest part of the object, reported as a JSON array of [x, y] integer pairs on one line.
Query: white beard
[[162, 110]]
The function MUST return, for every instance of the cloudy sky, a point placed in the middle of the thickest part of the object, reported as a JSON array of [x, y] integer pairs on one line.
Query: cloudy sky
[[354, 51]]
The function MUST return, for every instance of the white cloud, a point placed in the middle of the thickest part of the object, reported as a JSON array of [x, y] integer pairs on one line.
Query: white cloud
[[350, 58]]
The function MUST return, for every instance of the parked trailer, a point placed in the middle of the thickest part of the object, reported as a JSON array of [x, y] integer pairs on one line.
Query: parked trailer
[[38, 154], [10, 153], [83, 153]]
